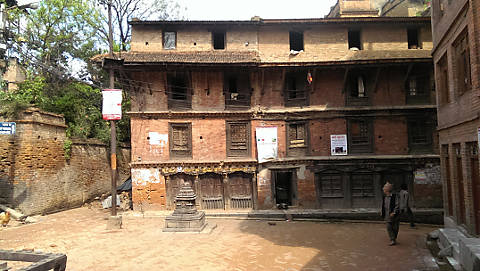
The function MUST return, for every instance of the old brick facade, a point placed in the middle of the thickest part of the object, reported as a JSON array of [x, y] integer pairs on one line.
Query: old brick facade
[[200, 90], [456, 58], [35, 176]]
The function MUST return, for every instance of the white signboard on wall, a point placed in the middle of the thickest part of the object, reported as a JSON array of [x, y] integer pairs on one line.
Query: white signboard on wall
[[112, 104], [338, 144], [267, 143], [158, 139]]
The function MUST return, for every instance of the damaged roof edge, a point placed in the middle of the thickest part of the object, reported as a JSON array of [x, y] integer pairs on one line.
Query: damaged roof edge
[[425, 20]]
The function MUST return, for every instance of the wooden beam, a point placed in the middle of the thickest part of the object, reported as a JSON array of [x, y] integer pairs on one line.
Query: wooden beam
[[345, 77], [377, 77], [409, 71]]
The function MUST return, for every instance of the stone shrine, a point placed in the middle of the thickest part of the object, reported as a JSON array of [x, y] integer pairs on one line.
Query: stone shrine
[[185, 217]]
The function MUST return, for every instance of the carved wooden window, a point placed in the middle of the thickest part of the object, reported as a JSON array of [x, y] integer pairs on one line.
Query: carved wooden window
[[418, 88], [169, 40], [331, 185], [462, 64], [362, 185], [179, 91], [238, 139], [360, 135], [296, 93], [237, 90], [297, 141], [420, 134], [180, 139]]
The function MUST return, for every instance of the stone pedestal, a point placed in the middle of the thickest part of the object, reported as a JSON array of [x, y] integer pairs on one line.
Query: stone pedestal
[[185, 218], [114, 222]]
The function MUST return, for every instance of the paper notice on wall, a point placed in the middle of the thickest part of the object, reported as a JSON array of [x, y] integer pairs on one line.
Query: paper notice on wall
[[112, 104], [338, 144], [158, 139], [267, 143]]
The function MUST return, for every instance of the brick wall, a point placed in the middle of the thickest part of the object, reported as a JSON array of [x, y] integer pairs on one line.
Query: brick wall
[[35, 177]]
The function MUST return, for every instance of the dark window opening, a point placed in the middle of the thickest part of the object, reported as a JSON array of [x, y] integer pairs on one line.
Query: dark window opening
[[297, 139], [443, 87], [237, 90], [331, 185], [218, 40], [362, 185], [360, 136], [462, 62], [169, 40], [357, 89], [179, 94], [238, 139], [180, 139], [418, 89], [354, 39], [295, 89], [296, 41], [420, 135], [413, 40]]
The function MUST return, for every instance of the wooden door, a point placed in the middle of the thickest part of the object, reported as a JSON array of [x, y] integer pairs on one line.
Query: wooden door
[[476, 192], [240, 188], [211, 191], [461, 192]]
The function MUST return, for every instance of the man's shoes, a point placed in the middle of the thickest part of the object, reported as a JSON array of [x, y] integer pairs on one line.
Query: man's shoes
[[392, 243]]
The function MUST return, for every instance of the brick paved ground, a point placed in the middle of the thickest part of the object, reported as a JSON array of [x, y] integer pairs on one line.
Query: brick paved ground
[[233, 245]]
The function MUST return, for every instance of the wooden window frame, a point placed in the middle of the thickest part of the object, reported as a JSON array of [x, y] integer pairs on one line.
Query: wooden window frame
[[353, 80], [294, 151], [180, 154], [413, 124], [163, 40], [363, 177], [179, 104], [297, 78], [463, 72], [443, 80], [244, 94], [423, 88], [327, 193], [356, 148], [233, 153]]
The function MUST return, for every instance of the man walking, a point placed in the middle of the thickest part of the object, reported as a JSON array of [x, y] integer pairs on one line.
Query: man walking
[[390, 212], [405, 204]]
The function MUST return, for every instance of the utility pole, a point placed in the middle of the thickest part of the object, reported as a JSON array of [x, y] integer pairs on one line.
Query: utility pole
[[114, 221]]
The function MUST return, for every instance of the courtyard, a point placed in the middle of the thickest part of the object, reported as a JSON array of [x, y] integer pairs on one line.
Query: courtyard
[[235, 244]]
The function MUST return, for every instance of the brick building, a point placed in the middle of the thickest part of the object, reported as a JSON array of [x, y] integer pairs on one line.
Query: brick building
[[206, 94], [456, 58]]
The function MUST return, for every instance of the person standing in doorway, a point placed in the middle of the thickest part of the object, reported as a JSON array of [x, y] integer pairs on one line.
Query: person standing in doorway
[[405, 210], [390, 212]]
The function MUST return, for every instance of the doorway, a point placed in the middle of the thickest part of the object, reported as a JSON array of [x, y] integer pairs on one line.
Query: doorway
[[284, 187]]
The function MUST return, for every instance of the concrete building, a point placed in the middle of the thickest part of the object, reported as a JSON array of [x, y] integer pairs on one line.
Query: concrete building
[[311, 113]]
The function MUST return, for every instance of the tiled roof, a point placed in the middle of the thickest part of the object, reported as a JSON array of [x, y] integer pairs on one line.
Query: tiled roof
[[252, 57], [200, 57]]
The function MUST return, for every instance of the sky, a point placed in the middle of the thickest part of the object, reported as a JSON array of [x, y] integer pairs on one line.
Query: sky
[[246, 9]]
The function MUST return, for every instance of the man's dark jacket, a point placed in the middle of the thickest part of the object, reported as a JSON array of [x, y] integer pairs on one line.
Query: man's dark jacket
[[393, 200]]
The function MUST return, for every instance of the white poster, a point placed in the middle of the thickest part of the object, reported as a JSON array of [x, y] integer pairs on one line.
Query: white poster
[[112, 104], [267, 143], [338, 144], [158, 139]]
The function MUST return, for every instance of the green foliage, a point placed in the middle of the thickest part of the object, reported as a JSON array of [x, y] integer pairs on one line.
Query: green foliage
[[67, 148]]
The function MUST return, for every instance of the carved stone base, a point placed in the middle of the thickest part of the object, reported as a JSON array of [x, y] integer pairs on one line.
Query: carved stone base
[[185, 223]]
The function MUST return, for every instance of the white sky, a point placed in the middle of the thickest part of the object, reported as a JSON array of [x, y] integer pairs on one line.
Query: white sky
[[245, 9]]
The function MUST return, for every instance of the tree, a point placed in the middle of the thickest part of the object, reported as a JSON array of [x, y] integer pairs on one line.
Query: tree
[[125, 11]]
